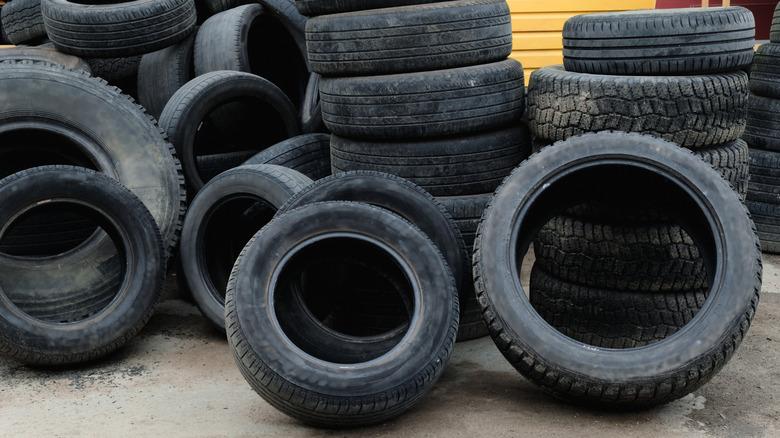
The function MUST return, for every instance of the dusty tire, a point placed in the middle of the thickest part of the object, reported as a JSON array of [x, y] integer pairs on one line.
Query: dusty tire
[[221, 219], [774, 33], [452, 166], [410, 38], [763, 123], [41, 339], [23, 22], [691, 111], [659, 372], [386, 386], [312, 8], [115, 70], [307, 153], [162, 73], [660, 42], [423, 105]]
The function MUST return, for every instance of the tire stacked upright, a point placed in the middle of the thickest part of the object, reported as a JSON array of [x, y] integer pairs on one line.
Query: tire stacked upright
[[762, 135], [626, 275], [423, 90]]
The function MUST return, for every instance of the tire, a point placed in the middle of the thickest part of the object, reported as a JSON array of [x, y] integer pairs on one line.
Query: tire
[[763, 123], [313, 8], [3, 36], [23, 22], [764, 176], [307, 153], [117, 30], [191, 105], [162, 73], [212, 7], [765, 73], [36, 338], [385, 385], [46, 55], [608, 318], [767, 218], [732, 161], [464, 165], [286, 14], [115, 70], [222, 218], [38, 127], [210, 166], [423, 105], [630, 378], [691, 111], [660, 42], [410, 38], [774, 32], [311, 110], [249, 39]]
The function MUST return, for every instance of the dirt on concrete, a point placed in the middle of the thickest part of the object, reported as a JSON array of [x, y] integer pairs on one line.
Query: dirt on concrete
[[178, 380]]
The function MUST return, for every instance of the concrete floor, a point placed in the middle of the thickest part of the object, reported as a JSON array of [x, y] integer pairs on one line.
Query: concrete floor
[[178, 380]]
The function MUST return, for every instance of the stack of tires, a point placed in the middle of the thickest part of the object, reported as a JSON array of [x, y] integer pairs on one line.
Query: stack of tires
[[622, 273], [425, 92], [763, 136]]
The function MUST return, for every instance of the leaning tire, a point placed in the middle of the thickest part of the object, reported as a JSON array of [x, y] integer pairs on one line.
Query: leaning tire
[[22, 21], [763, 123], [410, 38], [308, 154], [385, 385], [660, 42], [691, 111], [40, 339], [162, 73], [423, 105]]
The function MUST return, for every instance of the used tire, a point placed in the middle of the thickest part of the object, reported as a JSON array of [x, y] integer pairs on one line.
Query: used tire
[[660, 42], [774, 33], [456, 166], [22, 21], [422, 105], [308, 154], [117, 30], [259, 100], [410, 38], [311, 110], [767, 218], [162, 73], [691, 111], [763, 123], [44, 55], [765, 73], [221, 219], [764, 176], [659, 372], [115, 70], [324, 7], [40, 338], [385, 383]]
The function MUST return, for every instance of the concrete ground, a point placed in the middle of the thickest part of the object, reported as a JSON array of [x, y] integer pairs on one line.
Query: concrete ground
[[178, 380]]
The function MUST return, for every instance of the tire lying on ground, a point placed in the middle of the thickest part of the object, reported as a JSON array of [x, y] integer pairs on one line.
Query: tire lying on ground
[[410, 38], [162, 73], [117, 30], [251, 104], [660, 42], [307, 153], [41, 338], [464, 165], [23, 22], [44, 55], [310, 254], [763, 123], [765, 72], [663, 370], [691, 111], [324, 7], [427, 104], [222, 218]]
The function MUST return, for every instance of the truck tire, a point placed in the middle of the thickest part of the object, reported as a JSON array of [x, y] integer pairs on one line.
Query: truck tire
[[307, 153]]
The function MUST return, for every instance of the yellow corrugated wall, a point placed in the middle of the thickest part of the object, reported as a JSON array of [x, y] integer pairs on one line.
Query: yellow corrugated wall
[[537, 26]]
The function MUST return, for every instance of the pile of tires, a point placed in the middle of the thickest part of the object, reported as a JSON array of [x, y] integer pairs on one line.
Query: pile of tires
[[763, 137], [621, 272]]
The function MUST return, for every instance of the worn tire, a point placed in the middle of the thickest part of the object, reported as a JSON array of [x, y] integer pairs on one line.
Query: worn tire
[[23, 22], [692, 111], [765, 73], [115, 70], [384, 385], [774, 32], [35, 335], [162, 73], [410, 38], [767, 218], [307, 153], [311, 109], [313, 8], [44, 55], [764, 176], [763, 123], [423, 105], [660, 42]]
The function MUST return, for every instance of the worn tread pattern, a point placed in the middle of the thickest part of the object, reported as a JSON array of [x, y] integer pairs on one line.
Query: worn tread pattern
[[114, 69], [763, 123], [308, 154], [774, 30], [22, 21], [766, 216], [162, 73], [765, 72]]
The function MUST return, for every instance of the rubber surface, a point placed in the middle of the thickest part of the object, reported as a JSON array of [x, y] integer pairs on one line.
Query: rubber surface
[[22, 21], [323, 7], [307, 153], [45, 55], [765, 73], [162, 73], [763, 123]]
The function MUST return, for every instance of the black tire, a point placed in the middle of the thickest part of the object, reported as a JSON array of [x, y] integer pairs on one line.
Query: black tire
[[608, 318], [764, 176], [252, 40], [765, 73], [3, 36], [456, 166], [422, 105], [115, 70], [311, 109], [313, 8], [210, 166], [410, 38], [774, 32], [23, 22], [41, 339], [44, 55], [766, 215], [660, 42], [117, 30], [285, 12], [221, 219], [659, 372], [307, 153], [386, 386], [763, 123], [264, 105], [732, 161], [162, 73], [692, 111], [211, 7]]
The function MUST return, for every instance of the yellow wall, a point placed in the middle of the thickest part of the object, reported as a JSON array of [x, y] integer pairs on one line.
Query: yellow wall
[[537, 25]]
